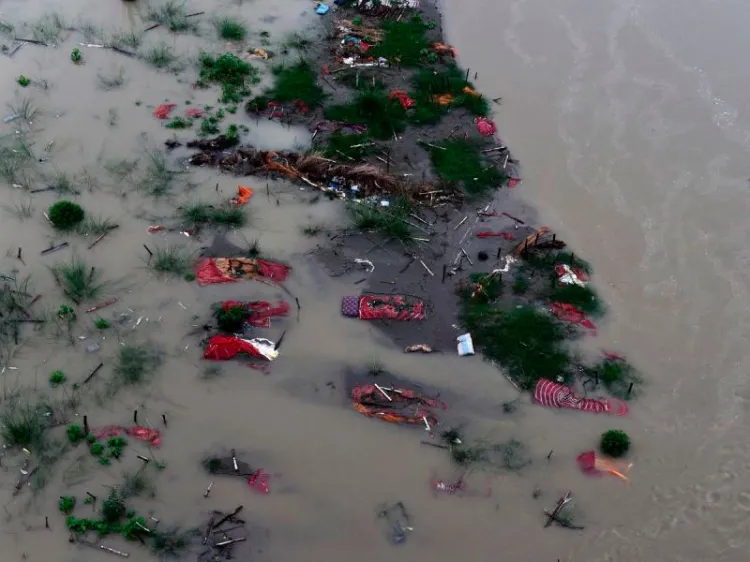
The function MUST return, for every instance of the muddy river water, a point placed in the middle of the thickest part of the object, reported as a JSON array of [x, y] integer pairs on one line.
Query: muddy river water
[[633, 135]]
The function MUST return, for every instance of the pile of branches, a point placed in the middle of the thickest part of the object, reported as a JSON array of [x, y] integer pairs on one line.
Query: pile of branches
[[14, 303], [312, 169]]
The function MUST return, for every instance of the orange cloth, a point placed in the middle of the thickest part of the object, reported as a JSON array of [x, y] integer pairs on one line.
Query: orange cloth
[[243, 195], [443, 99]]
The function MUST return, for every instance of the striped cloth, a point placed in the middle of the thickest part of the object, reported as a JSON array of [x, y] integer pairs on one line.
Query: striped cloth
[[555, 395]]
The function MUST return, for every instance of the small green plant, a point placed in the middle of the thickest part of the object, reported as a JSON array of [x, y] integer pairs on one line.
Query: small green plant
[[231, 319], [208, 128], [101, 324], [615, 443], [459, 161], [179, 123], [232, 135], [57, 378], [296, 82], [174, 260], [357, 21], [384, 117], [65, 215], [78, 281], [96, 449], [190, 276], [113, 507], [617, 375], [75, 433], [66, 504], [230, 28], [229, 71], [116, 445], [76, 55], [66, 313], [23, 81]]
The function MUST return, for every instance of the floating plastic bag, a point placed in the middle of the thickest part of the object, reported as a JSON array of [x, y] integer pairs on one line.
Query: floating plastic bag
[[465, 345]]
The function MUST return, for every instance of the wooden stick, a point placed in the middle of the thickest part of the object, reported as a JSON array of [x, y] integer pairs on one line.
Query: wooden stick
[[553, 517], [96, 370], [150, 253], [102, 235], [54, 248], [228, 517], [101, 305], [427, 268], [519, 221], [208, 530], [434, 445]]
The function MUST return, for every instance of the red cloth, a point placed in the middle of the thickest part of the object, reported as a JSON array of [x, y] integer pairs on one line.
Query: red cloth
[[568, 313], [485, 126], [139, 432], [209, 270], [222, 347], [490, 234], [587, 463], [513, 182], [555, 395], [163, 111], [258, 481], [260, 311], [194, 112], [390, 307], [403, 98]]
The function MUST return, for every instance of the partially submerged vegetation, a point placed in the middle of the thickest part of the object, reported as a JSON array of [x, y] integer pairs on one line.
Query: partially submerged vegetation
[[78, 280], [230, 28], [232, 73], [174, 260], [297, 81], [390, 221], [459, 161], [135, 363], [65, 215], [383, 116], [226, 214]]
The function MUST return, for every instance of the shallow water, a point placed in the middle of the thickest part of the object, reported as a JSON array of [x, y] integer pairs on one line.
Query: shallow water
[[631, 135]]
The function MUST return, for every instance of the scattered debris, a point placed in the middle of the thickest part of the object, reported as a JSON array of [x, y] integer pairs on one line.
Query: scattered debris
[[420, 347], [592, 464], [396, 405]]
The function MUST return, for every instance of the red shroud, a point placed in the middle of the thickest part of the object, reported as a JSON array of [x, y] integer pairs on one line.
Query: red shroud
[[231, 270], [568, 313], [260, 311], [390, 307], [222, 348], [163, 111], [555, 395], [405, 406], [139, 432], [403, 98], [194, 112], [258, 481], [491, 234]]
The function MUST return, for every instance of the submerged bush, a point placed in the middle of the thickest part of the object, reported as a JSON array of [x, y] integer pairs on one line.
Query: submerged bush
[[65, 215], [615, 443]]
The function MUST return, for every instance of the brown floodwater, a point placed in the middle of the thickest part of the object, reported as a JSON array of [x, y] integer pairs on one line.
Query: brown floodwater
[[632, 136]]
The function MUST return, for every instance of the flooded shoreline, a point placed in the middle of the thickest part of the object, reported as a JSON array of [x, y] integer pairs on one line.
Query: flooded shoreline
[[329, 467]]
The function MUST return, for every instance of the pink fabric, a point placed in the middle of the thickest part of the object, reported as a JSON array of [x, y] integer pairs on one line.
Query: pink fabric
[[556, 395], [485, 126]]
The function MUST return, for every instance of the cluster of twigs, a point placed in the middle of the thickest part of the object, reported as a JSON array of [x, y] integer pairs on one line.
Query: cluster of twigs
[[312, 169]]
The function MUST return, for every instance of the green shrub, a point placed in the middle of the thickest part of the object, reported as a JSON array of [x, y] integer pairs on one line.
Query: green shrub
[[615, 443], [231, 319], [67, 503], [65, 215], [75, 433], [57, 378]]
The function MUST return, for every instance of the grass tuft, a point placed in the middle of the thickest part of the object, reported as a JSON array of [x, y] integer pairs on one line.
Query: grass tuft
[[230, 28], [134, 363], [222, 215], [382, 116], [23, 426], [131, 39], [26, 110], [94, 226], [160, 56], [63, 183], [174, 260], [404, 42], [459, 162], [389, 222], [78, 281], [173, 16], [48, 28], [430, 85], [158, 178], [296, 82], [112, 79]]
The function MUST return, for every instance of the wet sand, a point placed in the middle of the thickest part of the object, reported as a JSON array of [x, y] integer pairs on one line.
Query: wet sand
[[332, 468]]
